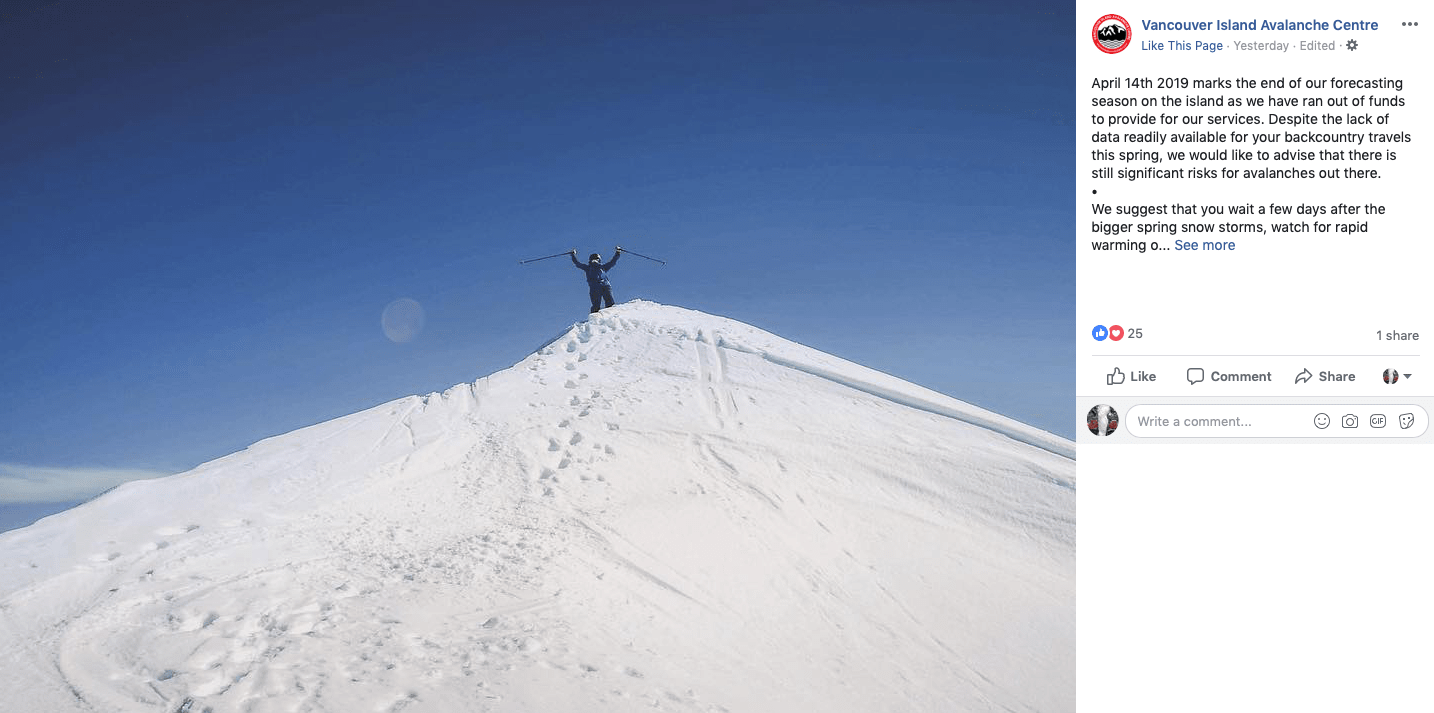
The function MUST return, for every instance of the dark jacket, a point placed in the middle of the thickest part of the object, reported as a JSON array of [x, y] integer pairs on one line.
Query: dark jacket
[[597, 274]]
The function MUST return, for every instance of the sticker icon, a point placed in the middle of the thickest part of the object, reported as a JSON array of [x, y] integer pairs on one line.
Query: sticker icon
[[1406, 420]]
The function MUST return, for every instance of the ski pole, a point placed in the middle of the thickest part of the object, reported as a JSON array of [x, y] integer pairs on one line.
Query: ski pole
[[549, 257], [629, 252]]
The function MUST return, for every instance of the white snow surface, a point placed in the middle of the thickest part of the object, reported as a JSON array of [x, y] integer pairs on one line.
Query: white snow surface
[[659, 509]]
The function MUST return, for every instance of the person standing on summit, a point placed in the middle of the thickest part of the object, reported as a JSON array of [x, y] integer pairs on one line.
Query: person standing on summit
[[599, 289]]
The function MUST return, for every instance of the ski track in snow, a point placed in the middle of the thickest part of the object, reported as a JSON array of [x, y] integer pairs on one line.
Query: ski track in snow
[[657, 509]]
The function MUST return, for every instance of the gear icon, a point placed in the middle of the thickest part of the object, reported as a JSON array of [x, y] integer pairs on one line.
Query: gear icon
[[1352, 45]]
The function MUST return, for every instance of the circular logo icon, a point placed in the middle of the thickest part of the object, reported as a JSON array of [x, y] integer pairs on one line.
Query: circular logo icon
[[1111, 34], [1116, 332], [1102, 420], [1391, 376], [1099, 333]]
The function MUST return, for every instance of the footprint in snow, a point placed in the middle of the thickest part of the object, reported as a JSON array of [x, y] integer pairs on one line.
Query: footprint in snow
[[402, 703], [173, 531]]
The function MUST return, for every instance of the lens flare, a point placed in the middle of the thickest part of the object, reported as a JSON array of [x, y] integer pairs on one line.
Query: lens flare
[[402, 320]]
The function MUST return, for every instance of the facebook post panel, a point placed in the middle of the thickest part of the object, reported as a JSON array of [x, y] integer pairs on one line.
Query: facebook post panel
[[1253, 377]]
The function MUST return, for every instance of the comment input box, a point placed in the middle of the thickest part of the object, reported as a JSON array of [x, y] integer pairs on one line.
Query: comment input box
[[1277, 421]]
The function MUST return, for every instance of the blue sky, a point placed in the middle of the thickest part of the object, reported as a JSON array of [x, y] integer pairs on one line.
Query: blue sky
[[204, 210]]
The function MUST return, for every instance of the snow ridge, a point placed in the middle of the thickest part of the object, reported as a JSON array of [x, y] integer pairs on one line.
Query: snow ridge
[[659, 508], [729, 334]]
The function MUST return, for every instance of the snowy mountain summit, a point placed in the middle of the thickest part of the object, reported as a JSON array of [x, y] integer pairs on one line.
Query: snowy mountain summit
[[658, 509]]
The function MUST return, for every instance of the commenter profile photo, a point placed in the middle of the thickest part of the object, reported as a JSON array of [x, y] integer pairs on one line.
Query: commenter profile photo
[[1102, 420]]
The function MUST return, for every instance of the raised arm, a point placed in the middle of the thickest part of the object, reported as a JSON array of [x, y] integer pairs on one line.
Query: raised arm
[[616, 253], [573, 255]]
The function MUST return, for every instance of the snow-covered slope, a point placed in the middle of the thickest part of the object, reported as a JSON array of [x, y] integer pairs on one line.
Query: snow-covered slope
[[660, 508]]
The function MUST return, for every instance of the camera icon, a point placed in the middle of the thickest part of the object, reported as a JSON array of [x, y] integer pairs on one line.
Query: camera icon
[[1349, 421]]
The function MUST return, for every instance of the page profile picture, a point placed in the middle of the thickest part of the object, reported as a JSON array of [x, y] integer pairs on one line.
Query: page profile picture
[[1391, 376], [1102, 420], [1111, 34]]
